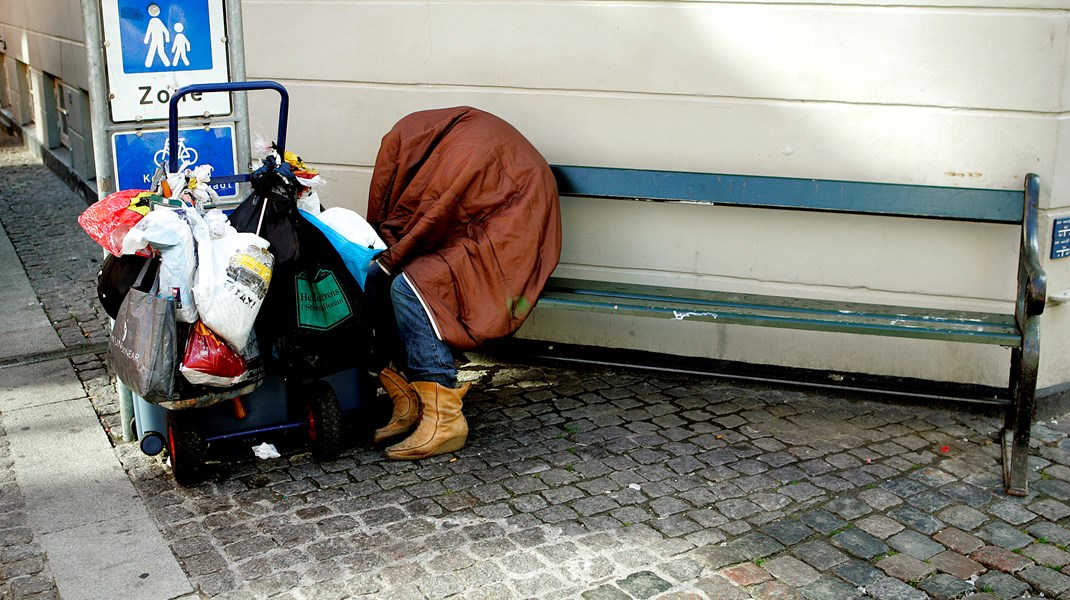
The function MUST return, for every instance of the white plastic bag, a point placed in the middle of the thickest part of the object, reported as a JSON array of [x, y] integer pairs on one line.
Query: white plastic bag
[[352, 226], [232, 280], [176, 182], [198, 186], [166, 231], [218, 224], [266, 451], [309, 201]]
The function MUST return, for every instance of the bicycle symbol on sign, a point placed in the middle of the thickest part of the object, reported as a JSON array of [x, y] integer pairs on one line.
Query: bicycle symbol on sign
[[187, 156]]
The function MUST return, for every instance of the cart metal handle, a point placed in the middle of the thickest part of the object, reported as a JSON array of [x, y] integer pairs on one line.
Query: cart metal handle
[[230, 86]]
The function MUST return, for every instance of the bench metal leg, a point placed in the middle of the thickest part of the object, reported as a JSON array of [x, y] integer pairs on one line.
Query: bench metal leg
[[1019, 418]]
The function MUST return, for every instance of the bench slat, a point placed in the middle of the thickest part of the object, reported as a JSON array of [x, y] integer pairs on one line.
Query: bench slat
[[773, 311], [969, 204]]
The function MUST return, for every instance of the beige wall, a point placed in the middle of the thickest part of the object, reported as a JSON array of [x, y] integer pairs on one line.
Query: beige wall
[[955, 92], [46, 34], [43, 43], [766, 88]]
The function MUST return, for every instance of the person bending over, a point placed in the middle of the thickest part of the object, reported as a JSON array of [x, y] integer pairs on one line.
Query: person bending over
[[469, 211]]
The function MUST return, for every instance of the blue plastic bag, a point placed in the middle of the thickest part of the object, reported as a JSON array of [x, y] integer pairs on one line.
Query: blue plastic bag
[[357, 258]]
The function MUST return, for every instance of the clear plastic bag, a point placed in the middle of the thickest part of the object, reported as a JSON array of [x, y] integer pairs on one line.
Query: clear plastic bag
[[167, 231]]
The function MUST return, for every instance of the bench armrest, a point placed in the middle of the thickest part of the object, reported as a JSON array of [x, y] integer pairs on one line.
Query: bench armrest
[[1032, 280]]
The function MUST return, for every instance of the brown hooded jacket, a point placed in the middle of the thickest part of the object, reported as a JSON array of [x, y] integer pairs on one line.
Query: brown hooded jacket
[[469, 211]]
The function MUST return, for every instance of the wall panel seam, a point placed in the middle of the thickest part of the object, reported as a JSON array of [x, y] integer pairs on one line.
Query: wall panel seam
[[626, 95]]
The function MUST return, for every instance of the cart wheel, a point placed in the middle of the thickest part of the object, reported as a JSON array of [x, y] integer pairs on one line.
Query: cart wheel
[[187, 452], [324, 422]]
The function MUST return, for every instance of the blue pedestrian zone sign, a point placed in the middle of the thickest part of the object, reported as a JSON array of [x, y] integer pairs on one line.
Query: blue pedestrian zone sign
[[155, 47], [138, 156], [165, 36]]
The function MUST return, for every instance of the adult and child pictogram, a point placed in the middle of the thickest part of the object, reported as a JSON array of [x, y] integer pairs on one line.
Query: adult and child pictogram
[[167, 36], [156, 38]]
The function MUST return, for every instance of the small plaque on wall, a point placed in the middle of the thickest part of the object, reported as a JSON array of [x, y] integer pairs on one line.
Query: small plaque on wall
[[1060, 238]]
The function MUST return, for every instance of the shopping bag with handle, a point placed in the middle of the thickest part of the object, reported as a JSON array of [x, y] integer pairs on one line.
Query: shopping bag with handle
[[143, 348]]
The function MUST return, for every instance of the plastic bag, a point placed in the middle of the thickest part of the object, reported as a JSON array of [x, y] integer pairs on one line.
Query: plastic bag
[[174, 184], [197, 186], [208, 360], [218, 224], [108, 220], [270, 210], [353, 226], [309, 201], [357, 257], [167, 231], [189, 395], [232, 280]]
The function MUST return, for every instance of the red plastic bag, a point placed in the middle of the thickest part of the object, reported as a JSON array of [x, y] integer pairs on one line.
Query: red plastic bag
[[209, 360], [108, 219]]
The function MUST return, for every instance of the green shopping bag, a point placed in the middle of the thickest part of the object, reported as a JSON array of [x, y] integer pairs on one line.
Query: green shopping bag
[[321, 302]]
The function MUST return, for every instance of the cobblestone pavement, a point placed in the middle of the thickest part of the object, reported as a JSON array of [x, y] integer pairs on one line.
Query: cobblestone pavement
[[577, 483]]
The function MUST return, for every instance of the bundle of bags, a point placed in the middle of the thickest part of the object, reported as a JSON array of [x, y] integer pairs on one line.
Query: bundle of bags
[[313, 318], [185, 287]]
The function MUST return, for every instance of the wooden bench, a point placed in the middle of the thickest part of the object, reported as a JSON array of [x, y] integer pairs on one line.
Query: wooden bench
[[1017, 330]]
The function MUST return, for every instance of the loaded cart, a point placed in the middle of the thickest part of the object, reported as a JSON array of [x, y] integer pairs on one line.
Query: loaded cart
[[308, 354]]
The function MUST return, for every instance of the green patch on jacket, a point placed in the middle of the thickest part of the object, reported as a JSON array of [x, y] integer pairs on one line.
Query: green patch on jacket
[[518, 307]]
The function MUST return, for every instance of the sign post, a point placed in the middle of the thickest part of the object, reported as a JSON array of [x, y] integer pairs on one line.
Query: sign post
[[138, 54], [154, 48]]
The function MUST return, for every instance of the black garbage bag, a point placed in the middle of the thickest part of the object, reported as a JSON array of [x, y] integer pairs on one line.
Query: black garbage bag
[[270, 210], [118, 274], [313, 311], [313, 318]]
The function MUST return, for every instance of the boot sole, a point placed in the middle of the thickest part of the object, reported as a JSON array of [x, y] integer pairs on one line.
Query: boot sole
[[383, 434], [450, 445]]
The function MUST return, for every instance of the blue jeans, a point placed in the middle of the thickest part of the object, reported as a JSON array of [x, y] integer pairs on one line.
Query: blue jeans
[[427, 357]]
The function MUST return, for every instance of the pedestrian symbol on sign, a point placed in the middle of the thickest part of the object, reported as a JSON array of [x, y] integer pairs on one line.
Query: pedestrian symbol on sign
[[155, 37], [181, 45], [165, 36]]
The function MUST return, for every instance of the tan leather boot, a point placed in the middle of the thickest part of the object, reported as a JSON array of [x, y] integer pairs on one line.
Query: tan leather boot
[[406, 406], [442, 427]]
